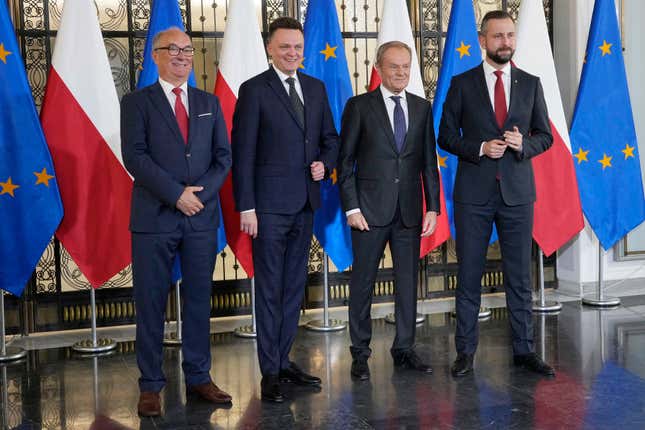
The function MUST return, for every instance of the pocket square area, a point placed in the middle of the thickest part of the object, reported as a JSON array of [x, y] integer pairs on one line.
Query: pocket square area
[[204, 114]]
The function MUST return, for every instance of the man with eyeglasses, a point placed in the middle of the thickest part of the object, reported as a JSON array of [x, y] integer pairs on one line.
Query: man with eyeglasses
[[175, 145]]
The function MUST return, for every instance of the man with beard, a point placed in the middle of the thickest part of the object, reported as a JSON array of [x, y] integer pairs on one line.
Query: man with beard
[[495, 120]]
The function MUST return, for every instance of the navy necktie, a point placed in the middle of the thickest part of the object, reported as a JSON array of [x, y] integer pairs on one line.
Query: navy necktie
[[298, 107], [399, 123]]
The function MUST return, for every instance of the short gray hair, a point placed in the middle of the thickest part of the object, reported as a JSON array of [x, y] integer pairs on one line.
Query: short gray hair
[[158, 36], [392, 44]]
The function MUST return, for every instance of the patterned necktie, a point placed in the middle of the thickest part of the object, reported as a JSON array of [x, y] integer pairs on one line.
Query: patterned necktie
[[500, 100], [181, 114], [399, 123], [298, 107]]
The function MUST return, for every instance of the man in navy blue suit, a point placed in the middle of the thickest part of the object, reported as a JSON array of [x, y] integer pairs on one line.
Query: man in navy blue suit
[[284, 143], [175, 145]]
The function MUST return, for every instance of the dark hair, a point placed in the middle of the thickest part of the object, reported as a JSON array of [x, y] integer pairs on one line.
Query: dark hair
[[392, 44], [494, 14], [285, 22]]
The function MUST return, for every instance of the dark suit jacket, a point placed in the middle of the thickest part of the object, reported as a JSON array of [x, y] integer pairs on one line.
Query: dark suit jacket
[[161, 163], [373, 175], [469, 119], [272, 152]]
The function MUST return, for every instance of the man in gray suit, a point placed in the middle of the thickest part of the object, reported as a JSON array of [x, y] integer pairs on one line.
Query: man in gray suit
[[387, 161]]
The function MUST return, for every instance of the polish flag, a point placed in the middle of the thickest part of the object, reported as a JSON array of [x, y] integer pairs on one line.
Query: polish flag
[[395, 25], [557, 212], [242, 57], [80, 119]]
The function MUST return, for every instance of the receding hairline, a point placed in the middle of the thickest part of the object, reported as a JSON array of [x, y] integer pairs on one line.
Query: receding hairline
[[162, 33], [494, 15], [394, 44]]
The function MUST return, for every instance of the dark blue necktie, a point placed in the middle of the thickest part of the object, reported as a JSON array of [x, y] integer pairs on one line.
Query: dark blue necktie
[[399, 123]]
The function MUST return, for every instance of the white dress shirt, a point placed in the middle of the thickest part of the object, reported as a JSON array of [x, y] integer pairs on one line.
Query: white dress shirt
[[389, 107], [167, 88], [491, 79]]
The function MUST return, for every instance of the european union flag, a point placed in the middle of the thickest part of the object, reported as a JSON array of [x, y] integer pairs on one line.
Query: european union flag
[[30, 205], [166, 14], [603, 138], [461, 53], [325, 59]]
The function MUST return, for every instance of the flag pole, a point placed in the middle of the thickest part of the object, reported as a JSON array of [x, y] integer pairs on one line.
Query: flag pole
[[249, 331], [94, 345], [5, 397], [326, 324], [7, 353], [174, 338], [601, 301], [543, 305]]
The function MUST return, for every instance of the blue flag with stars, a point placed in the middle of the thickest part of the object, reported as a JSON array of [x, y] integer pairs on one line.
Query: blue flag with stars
[[166, 14], [461, 52], [324, 58], [30, 205], [603, 138]]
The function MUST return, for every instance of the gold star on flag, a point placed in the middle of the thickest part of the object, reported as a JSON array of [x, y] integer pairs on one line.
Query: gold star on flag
[[628, 151], [329, 51], [333, 176], [442, 160], [463, 50], [302, 63], [43, 177], [605, 48], [581, 155], [606, 161], [8, 187], [4, 53]]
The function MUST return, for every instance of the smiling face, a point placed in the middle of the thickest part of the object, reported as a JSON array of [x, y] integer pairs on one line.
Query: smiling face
[[498, 39], [394, 69], [286, 48], [173, 69]]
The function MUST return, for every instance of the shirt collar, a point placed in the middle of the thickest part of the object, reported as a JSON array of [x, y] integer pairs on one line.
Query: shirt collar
[[168, 87], [283, 76], [490, 70], [387, 93]]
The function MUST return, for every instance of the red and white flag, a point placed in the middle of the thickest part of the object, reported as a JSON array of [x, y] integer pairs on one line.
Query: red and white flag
[[242, 57], [80, 118], [395, 25], [557, 211]]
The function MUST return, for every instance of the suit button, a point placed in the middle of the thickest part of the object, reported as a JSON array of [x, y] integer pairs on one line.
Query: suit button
[[396, 180], [306, 141], [188, 155]]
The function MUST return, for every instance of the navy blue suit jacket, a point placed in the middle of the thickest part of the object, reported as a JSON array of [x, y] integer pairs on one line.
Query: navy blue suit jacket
[[272, 151], [161, 163]]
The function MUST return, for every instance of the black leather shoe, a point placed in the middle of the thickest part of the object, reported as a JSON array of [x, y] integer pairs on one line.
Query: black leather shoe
[[410, 360], [462, 366], [360, 369], [270, 389], [533, 363], [295, 375]]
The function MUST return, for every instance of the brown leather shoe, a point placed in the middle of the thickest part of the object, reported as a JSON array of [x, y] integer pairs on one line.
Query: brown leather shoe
[[149, 404], [210, 392]]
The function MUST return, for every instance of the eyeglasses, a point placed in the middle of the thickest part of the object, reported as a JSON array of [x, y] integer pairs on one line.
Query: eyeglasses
[[174, 50]]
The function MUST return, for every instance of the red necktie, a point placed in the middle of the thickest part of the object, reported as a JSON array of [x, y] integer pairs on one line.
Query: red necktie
[[500, 100], [181, 114]]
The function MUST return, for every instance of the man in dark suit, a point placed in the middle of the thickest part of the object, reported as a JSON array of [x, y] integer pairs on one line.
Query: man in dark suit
[[284, 143], [174, 144], [387, 154], [495, 183]]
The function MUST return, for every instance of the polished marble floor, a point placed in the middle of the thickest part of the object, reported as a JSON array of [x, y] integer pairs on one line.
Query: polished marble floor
[[599, 356]]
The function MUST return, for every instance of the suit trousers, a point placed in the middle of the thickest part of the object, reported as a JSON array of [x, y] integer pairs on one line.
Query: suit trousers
[[152, 259], [474, 224], [368, 248], [280, 256]]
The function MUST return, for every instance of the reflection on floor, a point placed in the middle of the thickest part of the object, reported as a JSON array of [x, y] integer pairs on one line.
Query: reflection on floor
[[599, 356]]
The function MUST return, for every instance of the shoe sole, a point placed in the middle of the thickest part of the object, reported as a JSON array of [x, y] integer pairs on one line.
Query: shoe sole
[[302, 383], [360, 377], [149, 415], [273, 399], [461, 374]]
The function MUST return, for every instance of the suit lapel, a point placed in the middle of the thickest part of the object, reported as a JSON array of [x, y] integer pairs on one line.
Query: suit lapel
[[482, 90], [378, 106], [160, 102], [308, 96], [514, 88], [278, 88], [413, 118], [195, 109]]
